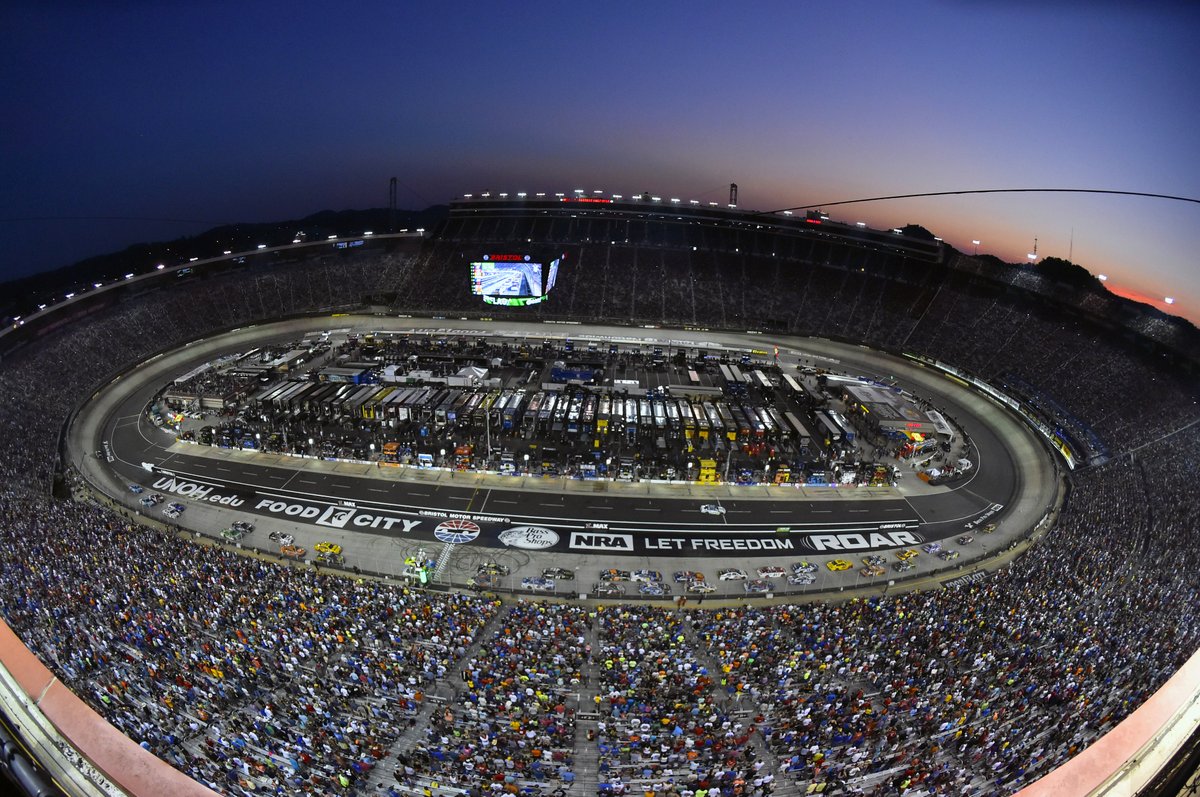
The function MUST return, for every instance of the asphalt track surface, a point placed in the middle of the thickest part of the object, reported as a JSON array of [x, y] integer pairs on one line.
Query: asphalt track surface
[[382, 514]]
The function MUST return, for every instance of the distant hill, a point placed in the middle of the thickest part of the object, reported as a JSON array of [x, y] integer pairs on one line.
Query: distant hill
[[17, 296]]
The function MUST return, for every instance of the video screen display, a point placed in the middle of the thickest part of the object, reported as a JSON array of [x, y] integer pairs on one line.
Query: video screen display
[[514, 280]]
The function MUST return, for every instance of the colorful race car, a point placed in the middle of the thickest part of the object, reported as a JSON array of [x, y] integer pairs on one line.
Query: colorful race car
[[560, 573], [801, 579], [495, 568], [243, 526], [873, 559], [485, 581], [685, 576], [731, 574], [538, 584], [614, 575], [804, 567], [965, 539], [647, 575], [700, 587], [905, 555], [871, 571], [608, 589], [948, 555], [838, 565], [292, 551], [281, 538], [653, 589], [931, 547], [136, 489], [770, 571], [330, 559], [756, 586], [904, 566], [231, 534], [324, 546]]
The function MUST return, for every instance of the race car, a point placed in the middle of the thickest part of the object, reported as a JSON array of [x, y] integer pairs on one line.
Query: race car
[[608, 588], [560, 573], [176, 506], [873, 559], [989, 528], [324, 546], [931, 547], [686, 576], [731, 574], [906, 554], [770, 571], [136, 489], [614, 575], [281, 537], [757, 585], [712, 509], [148, 502], [871, 571], [804, 567], [904, 566], [699, 587], [484, 581], [330, 559], [156, 498], [243, 526], [647, 575], [292, 551], [495, 568], [801, 579], [231, 534], [948, 555], [965, 539], [538, 584], [838, 565]]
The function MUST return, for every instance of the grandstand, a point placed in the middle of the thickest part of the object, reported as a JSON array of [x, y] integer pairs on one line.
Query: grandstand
[[252, 678]]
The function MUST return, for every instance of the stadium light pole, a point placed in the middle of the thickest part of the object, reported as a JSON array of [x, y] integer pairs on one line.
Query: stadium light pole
[[976, 245]]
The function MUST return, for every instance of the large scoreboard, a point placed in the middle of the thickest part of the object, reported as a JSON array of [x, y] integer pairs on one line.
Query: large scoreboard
[[513, 279]]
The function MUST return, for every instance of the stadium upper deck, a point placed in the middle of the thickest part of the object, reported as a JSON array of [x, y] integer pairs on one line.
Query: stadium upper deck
[[647, 220]]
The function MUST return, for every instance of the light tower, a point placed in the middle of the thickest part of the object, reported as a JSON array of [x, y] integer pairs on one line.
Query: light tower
[[733, 195], [392, 205]]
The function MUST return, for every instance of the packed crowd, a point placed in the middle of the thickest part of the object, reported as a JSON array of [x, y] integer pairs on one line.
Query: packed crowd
[[255, 678]]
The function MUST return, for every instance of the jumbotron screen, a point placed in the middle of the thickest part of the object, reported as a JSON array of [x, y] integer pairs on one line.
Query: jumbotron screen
[[514, 280]]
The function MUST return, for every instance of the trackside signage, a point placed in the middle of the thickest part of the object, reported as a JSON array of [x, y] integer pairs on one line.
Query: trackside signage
[[497, 531], [196, 491]]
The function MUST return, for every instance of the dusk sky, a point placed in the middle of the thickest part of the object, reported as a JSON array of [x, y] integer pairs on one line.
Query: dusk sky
[[178, 116]]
